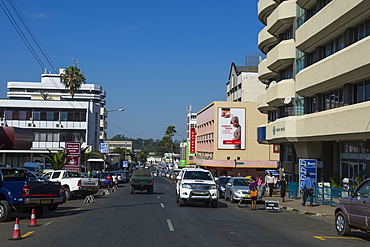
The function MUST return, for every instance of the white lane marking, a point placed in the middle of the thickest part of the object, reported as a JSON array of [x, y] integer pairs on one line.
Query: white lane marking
[[170, 226], [158, 197], [162, 205]]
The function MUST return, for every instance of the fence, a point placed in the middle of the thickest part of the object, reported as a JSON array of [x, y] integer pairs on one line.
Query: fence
[[324, 193]]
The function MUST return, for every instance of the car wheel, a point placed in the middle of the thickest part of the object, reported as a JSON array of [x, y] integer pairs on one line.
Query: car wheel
[[181, 202], [214, 204], [341, 224], [4, 211], [232, 198], [68, 193], [177, 198]]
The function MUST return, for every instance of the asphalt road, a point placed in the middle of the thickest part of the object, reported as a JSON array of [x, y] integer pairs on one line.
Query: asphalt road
[[141, 219]]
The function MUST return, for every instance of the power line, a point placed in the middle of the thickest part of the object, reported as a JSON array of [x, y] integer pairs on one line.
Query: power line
[[129, 132]]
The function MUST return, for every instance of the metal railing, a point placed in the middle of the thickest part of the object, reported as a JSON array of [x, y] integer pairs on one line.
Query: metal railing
[[324, 193]]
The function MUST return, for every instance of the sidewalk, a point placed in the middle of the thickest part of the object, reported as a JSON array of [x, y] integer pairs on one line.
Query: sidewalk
[[292, 204]]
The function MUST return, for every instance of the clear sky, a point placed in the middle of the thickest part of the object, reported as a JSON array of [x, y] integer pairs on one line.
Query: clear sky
[[153, 58]]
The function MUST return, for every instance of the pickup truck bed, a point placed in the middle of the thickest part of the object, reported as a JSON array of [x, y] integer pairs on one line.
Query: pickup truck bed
[[142, 180], [20, 191]]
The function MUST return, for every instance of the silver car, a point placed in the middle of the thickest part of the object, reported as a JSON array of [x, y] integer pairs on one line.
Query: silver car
[[238, 188]]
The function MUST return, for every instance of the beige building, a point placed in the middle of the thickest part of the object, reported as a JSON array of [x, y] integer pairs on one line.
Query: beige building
[[215, 148], [317, 73]]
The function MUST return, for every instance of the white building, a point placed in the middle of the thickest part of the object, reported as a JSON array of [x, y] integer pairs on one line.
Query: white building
[[48, 109]]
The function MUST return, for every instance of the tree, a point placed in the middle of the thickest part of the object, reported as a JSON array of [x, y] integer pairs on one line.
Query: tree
[[57, 160], [170, 132], [72, 79]]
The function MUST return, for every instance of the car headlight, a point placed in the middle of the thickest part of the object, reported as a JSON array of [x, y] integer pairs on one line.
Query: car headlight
[[213, 187], [186, 186], [222, 188]]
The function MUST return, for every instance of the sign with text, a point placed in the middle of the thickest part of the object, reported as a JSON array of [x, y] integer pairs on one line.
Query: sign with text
[[104, 148], [192, 140], [307, 166], [73, 149]]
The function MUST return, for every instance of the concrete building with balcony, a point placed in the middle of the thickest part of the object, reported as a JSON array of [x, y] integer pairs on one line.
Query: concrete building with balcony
[[318, 84], [47, 110]]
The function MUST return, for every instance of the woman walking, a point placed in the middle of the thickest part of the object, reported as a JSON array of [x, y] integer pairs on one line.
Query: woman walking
[[283, 184], [253, 192]]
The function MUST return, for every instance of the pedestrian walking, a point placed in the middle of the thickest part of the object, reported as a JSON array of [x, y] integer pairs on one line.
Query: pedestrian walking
[[270, 183], [253, 191], [115, 181], [108, 180], [259, 182], [307, 188], [283, 183]]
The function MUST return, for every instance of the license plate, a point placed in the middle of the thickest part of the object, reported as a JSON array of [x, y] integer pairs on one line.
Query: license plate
[[89, 189], [200, 193], [45, 201], [247, 196]]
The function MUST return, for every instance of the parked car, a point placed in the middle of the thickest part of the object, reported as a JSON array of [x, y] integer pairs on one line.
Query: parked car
[[74, 183], [352, 212], [238, 188], [221, 182], [21, 191]]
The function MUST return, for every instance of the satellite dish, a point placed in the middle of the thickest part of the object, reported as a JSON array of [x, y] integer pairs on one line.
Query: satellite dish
[[272, 83], [287, 100]]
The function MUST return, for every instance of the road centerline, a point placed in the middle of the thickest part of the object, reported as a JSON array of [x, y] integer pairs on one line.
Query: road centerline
[[170, 226]]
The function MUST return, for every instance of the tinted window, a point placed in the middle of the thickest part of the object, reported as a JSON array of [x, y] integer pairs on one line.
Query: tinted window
[[14, 175]]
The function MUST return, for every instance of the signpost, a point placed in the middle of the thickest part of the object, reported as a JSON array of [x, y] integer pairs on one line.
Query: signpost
[[307, 166]]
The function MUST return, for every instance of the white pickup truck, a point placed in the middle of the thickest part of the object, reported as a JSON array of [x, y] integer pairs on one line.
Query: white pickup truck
[[73, 182]]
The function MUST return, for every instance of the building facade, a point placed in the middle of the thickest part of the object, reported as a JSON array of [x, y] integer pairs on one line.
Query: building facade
[[48, 110], [317, 77], [217, 145]]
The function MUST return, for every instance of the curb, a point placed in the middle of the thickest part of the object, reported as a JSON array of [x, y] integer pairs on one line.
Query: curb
[[302, 212]]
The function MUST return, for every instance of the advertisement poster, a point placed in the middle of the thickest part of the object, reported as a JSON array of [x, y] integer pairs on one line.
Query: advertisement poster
[[310, 166], [104, 148], [73, 149], [231, 128]]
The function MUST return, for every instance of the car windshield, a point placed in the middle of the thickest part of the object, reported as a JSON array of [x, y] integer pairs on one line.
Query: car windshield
[[223, 180], [197, 175], [241, 182]]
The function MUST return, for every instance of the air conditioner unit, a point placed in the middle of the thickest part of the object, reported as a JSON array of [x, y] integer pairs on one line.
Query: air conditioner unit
[[57, 125], [29, 124], [2, 124]]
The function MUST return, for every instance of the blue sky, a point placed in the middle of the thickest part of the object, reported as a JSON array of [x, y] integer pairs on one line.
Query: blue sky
[[153, 58]]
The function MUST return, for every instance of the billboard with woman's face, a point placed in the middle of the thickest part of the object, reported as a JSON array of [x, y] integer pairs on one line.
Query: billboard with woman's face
[[231, 128]]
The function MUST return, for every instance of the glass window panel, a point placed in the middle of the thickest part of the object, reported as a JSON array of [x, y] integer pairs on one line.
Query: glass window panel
[[360, 92], [367, 28], [49, 116], [367, 91], [49, 136], [36, 115], [63, 116], [42, 137], [361, 31], [43, 116]]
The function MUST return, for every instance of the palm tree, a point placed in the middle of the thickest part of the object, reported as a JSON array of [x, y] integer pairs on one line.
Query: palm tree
[[57, 160], [72, 79], [170, 132]]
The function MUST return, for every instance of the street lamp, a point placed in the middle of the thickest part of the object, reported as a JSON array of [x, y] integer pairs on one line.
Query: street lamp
[[121, 109], [237, 158]]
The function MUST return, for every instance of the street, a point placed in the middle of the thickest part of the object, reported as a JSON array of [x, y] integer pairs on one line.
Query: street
[[141, 219]]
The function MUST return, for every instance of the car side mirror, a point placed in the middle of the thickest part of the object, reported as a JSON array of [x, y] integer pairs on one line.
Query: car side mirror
[[178, 177], [228, 184], [351, 193]]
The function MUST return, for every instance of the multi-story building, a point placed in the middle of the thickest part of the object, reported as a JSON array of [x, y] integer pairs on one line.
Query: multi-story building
[[219, 147], [119, 144], [317, 74], [47, 109], [243, 84]]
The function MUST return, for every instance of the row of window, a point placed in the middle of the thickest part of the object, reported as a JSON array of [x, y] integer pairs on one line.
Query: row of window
[[64, 91], [43, 115], [59, 136]]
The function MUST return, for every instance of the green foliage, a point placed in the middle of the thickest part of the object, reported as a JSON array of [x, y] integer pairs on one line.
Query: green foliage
[[335, 181], [72, 79], [57, 160]]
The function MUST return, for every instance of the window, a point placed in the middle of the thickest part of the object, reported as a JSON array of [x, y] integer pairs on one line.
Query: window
[[333, 99], [362, 91], [299, 105]]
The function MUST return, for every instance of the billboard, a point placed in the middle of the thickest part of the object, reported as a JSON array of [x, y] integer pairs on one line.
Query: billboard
[[104, 147], [73, 149], [192, 140], [231, 128]]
